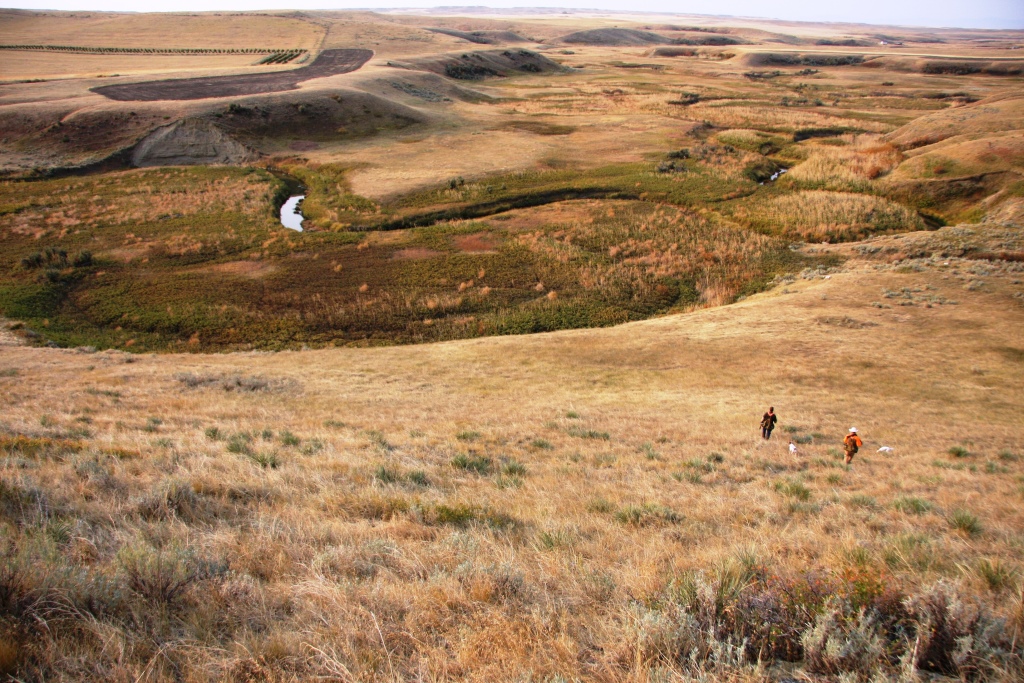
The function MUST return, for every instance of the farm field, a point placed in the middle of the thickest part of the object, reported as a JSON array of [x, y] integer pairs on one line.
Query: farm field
[[327, 63], [137, 30], [492, 415]]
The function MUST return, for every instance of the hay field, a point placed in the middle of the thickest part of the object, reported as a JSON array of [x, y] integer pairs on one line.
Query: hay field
[[164, 30], [29, 65]]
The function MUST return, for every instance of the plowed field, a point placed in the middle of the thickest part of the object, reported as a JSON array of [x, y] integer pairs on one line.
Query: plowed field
[[329, 63]]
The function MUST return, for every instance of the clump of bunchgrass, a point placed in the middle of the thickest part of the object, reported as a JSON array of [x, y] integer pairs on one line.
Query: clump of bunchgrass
[[239, 443], [647, 514], [480, 464], [379, 441], [513, 468], [288, 439], [386, 475], [419, 478], [455, 515], [993, 468], [912, 505], [583, 433], [996, 574], [175, 499], [793, 488], [462, 515], [692, 476], [697, 465], [965, 521], [911, 551], [265, 459], [556, 538]]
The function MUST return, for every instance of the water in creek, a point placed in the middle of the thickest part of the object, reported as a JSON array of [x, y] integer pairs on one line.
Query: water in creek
[[291, 213], [775, 176]]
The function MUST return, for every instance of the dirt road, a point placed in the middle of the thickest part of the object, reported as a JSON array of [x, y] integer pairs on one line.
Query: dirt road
[[329, 63]]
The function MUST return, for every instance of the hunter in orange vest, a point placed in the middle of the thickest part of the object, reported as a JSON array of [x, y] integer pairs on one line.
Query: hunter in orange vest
[[852, 444]]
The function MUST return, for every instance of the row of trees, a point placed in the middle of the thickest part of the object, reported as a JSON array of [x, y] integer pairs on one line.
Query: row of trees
[[282, 57]]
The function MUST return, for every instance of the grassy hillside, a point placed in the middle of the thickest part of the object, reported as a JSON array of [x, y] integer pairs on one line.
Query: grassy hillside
[[592, 504]]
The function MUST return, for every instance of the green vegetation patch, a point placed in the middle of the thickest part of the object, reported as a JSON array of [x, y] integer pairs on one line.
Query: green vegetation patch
[[194, 259]]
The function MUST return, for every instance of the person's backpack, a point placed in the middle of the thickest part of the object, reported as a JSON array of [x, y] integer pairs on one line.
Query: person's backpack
[[851, 443]]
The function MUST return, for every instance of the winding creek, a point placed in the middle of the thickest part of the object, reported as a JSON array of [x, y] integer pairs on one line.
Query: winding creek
[[291, 210], [291, 213]]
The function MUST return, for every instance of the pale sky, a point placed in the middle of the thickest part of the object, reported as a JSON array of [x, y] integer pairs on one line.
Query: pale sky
[[957, 13]]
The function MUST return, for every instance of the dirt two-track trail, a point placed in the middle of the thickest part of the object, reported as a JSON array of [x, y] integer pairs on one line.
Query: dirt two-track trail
[[329, 63]]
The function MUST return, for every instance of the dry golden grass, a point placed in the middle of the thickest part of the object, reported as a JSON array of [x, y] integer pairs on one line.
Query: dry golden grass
[[648, 245], [163, 30], [422, 161], [958, 156], [995, 114], [776, 118], [743, 137], [830, 216], [27, 64], [338, 557], [863, 158], [117, 202]]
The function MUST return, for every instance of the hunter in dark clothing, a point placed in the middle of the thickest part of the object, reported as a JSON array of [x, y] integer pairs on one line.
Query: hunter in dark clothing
[[768, 423]]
